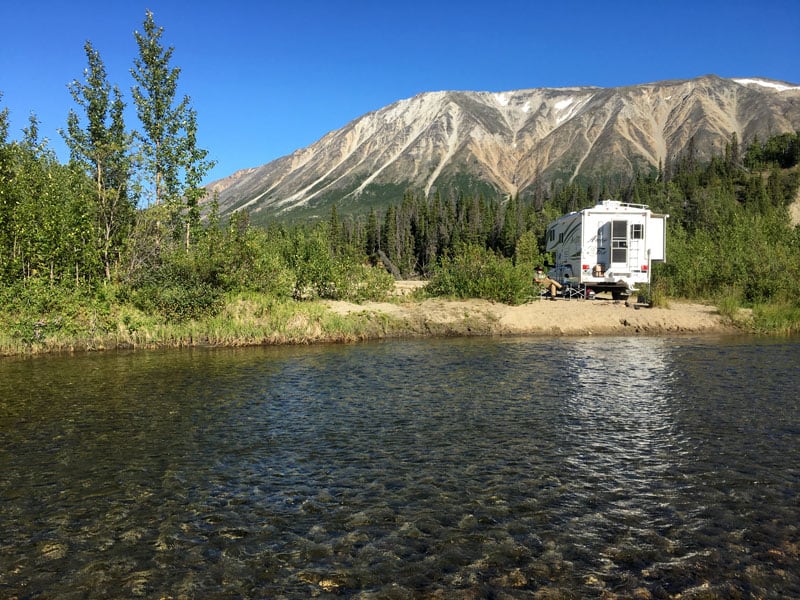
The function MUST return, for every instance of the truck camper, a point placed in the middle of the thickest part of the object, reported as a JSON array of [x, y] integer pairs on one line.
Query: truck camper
[[607, 248]]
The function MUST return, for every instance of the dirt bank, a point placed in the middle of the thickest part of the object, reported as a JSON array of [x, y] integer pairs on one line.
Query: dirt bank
[[542, 317]]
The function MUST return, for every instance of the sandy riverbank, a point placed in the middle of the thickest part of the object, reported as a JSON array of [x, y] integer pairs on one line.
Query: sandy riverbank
[[542, 317]]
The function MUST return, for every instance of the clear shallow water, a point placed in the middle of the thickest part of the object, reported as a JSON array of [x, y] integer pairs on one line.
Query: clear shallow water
[[567, 468]]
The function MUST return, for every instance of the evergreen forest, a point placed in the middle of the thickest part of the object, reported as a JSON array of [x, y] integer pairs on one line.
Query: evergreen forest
[[117, 238]]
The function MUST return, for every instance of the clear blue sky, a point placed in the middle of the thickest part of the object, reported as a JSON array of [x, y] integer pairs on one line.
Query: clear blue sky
[[269, 77]]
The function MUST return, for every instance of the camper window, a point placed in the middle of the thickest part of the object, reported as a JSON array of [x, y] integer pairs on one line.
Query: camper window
[[637, 231]]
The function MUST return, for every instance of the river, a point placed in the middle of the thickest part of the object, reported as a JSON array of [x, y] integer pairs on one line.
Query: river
[[634, 467]]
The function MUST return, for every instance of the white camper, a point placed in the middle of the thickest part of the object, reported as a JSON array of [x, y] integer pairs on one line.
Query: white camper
[[609, 247]]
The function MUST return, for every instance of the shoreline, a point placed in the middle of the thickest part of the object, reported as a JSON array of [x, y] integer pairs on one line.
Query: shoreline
[[248, 321]]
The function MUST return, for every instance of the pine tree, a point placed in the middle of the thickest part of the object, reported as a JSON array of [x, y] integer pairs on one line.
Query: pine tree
[[509, 227], [732, 155], [373, 241], [335, 232]]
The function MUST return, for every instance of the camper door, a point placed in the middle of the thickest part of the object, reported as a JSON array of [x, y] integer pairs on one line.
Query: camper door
[[604, 245], [619, 244]]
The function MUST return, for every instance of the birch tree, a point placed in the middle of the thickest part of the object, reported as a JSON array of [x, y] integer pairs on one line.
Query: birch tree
[[102, 149]]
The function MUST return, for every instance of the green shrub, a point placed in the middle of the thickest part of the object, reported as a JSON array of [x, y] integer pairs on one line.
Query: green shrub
[[178, 302], [363, 282], [527, 251], [783, 318], [653, 294], [475, 272], [179, 289], [35, 310], [269, 274]]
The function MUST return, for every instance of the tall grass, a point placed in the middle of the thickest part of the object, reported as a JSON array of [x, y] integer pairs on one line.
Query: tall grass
[[245, 318], [782, 319], [654, 295]]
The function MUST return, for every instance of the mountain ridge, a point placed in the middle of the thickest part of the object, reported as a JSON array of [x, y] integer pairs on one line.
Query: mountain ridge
[[511, 142]]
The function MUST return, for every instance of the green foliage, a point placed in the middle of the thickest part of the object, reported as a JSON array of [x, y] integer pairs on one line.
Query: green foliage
[[527, 251], [729, 304], [173, 164], [476, 272], [181, 288], [777, 318], [656, 295], [754, 253], [250, 259], [101, 149], [321, 273], [35, 309], [183, 284], [364, 282], [46, 225]]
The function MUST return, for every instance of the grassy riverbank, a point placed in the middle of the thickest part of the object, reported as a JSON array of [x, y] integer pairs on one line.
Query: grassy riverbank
[[244, 319]]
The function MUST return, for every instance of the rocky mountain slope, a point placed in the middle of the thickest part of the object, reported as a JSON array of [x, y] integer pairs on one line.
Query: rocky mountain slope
[[509, 143]]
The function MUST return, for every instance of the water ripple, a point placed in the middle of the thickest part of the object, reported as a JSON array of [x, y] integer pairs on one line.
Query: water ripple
[[598, 467]]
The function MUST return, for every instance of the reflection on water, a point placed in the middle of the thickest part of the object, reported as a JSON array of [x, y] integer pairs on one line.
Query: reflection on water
[[568, 468], [624, 445]]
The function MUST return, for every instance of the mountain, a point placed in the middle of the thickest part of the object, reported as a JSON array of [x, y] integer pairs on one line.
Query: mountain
[[509, 143]]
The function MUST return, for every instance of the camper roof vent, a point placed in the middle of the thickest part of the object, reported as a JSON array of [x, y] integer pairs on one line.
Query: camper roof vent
[[611, 204]]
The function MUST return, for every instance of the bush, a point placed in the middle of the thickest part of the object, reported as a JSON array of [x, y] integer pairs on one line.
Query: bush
[[729, 303], [176, 289], [269, 273], [321, 274], [35, 310], [179, 301], [363, 282], [475, 272], [245, 258]]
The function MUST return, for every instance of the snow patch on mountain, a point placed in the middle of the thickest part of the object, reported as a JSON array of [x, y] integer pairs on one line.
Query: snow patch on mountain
[[776, 85], [562, 114], [502, 99]]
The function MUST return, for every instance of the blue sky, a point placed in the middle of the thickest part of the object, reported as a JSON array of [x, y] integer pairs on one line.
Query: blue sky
[[269, 77]]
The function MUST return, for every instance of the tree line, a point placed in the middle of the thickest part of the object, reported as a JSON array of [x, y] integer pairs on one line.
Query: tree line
[[74, 221]]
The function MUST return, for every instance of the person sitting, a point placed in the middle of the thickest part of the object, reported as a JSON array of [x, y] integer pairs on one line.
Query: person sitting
[[540, 278], [599, 270]]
